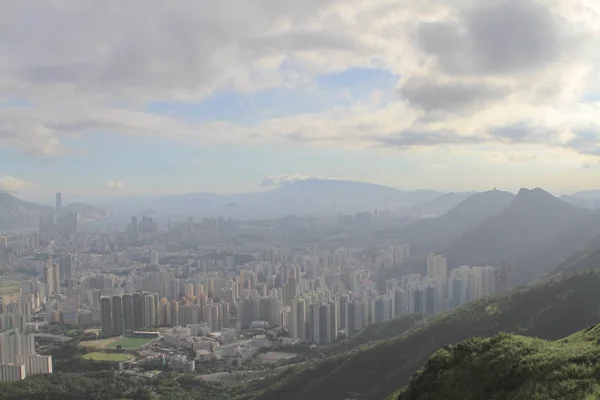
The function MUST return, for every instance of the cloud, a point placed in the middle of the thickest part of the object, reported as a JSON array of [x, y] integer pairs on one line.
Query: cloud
[[115, 185], [472, 73], [435, 166], [430, 95], [495, 37], [10, 184], [285, 179]]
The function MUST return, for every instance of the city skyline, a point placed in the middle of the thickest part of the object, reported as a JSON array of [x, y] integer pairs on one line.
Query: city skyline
[[196, 100]]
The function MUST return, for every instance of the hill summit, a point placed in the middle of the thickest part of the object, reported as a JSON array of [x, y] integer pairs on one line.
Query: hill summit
[[511, 367], [524, 235]]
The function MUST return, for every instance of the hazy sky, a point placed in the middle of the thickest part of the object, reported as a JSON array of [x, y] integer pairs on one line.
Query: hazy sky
[[153, 96]]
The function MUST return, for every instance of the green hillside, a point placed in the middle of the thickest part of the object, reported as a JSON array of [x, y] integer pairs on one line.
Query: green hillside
[[510, 367], [551, 310], [587, 259]]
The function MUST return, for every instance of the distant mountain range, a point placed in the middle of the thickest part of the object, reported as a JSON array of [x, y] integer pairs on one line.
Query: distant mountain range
[[17, 213], [535, 231], [435, 233], [302, 197], [316, 196], [8, 202]]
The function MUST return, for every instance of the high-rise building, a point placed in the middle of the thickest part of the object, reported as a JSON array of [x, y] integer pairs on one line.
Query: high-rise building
[[117, 315], [49, 279], [12, 372], [154, 257], [56, 278], [128, 316], [149, 310], [315, 323], [437, 268], [66, 266], [325, 323], [300, 320], [138, 311], [13, 344], [106, 316], [134, 225], [58, 203], [35, 364]]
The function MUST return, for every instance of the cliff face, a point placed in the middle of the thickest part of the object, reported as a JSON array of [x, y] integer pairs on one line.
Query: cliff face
[[511, 367]]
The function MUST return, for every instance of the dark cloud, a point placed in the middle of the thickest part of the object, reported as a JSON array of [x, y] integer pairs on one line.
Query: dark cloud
[[586, 141], [433, 96], [517, 132], [416, 137], [495, 37]]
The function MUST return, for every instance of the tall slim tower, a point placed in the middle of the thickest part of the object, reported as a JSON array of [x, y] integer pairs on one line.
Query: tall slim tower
[[106, 316], [58, 203], [56, 278], [49, 279], [117, 315]]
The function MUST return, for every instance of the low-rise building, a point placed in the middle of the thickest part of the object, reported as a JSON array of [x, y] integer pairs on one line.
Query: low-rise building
[[182, 364], [203, 355]]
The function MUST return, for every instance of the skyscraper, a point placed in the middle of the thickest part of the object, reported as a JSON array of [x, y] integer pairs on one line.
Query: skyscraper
[[437, 268], [138, 311], [117, 315], [49, 279], [56, 278], [106, 316], [154, 257], [12, 372], [35, 364], [13, 344], [58, 203], [128, 318], [66, 266]]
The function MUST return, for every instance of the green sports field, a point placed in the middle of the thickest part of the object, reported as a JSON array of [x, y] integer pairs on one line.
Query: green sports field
[[8, 288], [116, 357], [130, 343]]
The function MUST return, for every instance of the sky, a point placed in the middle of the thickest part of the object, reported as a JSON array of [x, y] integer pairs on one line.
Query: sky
[[121, 98]]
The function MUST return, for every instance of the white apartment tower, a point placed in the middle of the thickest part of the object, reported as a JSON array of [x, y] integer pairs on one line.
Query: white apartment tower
[[12, 372], [35, 364], [437, 268]]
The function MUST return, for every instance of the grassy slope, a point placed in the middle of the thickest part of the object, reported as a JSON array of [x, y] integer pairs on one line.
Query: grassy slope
[[585, 260], [8, 288], [373, 332], [511, 367], [551, 310]]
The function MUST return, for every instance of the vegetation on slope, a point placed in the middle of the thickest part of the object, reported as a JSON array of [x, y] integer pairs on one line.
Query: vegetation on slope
[[587, 259], [551, 310], [511, 367], [112, 386], [372, 333]]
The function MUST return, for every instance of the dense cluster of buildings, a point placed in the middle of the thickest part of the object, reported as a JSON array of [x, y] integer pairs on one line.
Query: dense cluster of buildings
[[18, 357], [147, 277]]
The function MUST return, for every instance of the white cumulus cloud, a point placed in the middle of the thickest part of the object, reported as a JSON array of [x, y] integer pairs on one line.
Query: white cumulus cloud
[[115, 184], [473, 73], [10, 184], [283, 179]]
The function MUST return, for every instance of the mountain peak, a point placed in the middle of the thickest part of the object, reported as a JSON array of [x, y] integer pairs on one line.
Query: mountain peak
[[536, 199], [533, 192]]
